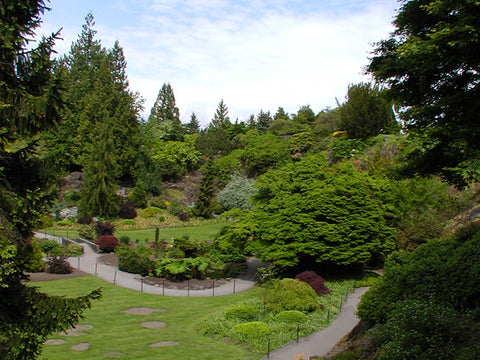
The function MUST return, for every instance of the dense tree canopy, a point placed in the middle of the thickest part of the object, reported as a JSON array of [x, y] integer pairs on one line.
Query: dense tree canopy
[[431, 63], [30, 103]]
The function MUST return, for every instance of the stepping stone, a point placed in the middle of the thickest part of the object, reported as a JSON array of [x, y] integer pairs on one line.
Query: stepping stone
[[81, 347], [77, 330], [153, 324], [55, 342], [113, 354], [142, 311], [164, 343]]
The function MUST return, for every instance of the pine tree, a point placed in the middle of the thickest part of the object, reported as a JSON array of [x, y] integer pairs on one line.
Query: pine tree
[[221, 118], [98, 194], [193, 127], [164, 120], [204, 205], [30, 103]]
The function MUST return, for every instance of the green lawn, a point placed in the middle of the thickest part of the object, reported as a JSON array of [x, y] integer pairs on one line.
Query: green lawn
[[114, 331], [201, 232]]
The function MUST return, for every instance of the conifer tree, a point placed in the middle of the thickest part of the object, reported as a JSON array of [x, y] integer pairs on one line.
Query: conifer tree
[[193, 127], [30, 103], [164, 120], [221, 118]]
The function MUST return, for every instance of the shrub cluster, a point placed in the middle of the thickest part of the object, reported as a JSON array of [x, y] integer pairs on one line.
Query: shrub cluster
[[59, 264], [252, 329], [84, 220], [104, 228], [134, 260], [33, 257], [291, 316], [242, 312], [315, 281], [128, 210], [290, 294], [107, 243]]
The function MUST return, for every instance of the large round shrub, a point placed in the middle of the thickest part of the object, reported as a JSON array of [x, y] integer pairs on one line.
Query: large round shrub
[[252, 329], [242, 312], [107, 243], [291, 317], [290, 294]]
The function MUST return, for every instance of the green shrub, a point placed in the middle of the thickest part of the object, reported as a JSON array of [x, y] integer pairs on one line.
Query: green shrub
[[181, 269], [290, 294], [33, 257], [252, 329], [124, 239], [134, 260], [46, 222], [88, 232], [128, 222], [74, 250], [242, 312], [65, 222], [370, 279], [150, 212], [51, 247], [291, 316]]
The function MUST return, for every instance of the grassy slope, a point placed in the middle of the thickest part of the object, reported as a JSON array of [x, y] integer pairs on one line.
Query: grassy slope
[[115, 331]]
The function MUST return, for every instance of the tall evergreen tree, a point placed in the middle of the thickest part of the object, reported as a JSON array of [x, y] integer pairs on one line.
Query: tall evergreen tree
[[221, 118], [193, 127], [98, 194], [264, 119], [30, 103], [164, 120]]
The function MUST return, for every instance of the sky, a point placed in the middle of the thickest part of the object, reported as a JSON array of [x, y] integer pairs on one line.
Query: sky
[[255, 55]]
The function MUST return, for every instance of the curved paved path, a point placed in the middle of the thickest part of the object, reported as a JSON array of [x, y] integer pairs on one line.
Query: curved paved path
[[321, 342], [88, 263]]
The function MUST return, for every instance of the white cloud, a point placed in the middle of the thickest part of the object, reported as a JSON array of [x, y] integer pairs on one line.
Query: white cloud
[[253, 54]]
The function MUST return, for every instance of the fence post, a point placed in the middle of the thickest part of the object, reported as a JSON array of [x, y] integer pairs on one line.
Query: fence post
[[78, 264], [188, 288], [115, 277], [234, 286], [328, 316], [163, 287], [268, 350], [213, 288], [298, 332], [142, 284], [96, 266]]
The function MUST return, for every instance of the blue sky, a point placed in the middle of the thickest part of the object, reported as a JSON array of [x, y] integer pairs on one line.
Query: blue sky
[[254, 54]]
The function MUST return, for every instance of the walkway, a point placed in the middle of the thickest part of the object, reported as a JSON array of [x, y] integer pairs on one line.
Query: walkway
[[88, 263], [321, 342]]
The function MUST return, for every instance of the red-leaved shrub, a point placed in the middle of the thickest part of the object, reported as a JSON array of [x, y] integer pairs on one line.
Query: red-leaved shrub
[[107, 243], [315, 281], [128, 210], [84, 220]]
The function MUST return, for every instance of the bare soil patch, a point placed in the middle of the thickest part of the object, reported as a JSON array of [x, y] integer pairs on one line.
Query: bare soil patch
[[109, 259], [44, 276]]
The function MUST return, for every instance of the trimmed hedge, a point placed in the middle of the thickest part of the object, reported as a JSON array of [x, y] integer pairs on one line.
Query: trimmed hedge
[[242, 312], [291, 294], [252, 329], [291, 316]]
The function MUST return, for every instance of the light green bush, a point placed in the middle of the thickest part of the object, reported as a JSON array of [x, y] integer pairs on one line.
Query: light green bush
[[291, 316], [129, 222], [150, 212], [74, 250], [33, 257], [65, 222], [252, 329], [290, 294], [242, 312]]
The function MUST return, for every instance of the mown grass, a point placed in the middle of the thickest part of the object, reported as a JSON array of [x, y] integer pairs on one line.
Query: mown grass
[[205, 231], [114, 331], [197, 324]]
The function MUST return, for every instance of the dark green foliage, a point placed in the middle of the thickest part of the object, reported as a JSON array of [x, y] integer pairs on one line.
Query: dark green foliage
[[84, 220], [430, 63], [232, 241], [164, 120], [367, 112], [316, 282], [182, 269], [138, 196], [87, 232], [204, 205], [441, 271], [99, 197], [242, 312], [310, 213], [193, 127], [31, 103], [107, 243], [134, 260], [104, 228], [213, 141], [290, 294], [58, 264], [291, 316], [50, 247]]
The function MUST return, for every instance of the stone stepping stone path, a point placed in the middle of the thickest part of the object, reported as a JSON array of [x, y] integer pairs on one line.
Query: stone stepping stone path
[[142, 311], [80, 347], [164, 343], [77, 330], [55, 342], [153, 324]]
